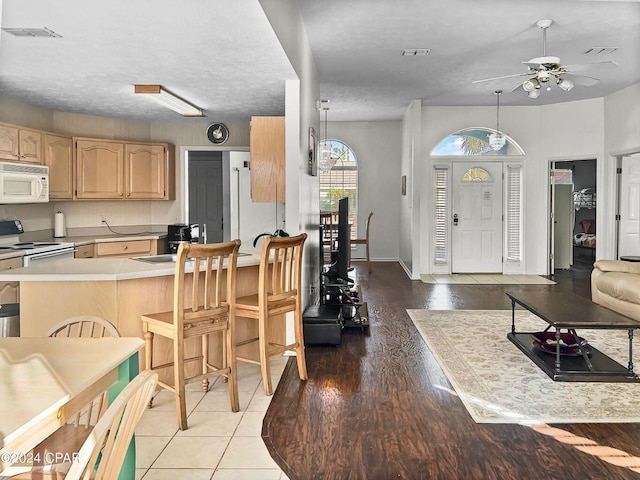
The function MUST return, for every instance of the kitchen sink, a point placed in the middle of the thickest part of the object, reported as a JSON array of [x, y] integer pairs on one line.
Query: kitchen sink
[[168, 258]]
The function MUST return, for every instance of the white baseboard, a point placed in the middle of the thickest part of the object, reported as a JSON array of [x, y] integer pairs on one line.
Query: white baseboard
[[408, 272]]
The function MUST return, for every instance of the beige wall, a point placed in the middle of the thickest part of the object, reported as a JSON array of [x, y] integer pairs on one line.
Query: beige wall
[[12, 111]]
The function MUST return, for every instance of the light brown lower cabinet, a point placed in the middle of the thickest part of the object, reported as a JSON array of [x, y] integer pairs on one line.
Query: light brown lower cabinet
[[9, 292], [84, 251]]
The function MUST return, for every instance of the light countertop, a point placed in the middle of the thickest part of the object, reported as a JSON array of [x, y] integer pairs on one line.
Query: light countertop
[[106, 269]]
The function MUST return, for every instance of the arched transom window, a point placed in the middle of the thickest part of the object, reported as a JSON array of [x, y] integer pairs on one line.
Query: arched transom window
[[474, 141]]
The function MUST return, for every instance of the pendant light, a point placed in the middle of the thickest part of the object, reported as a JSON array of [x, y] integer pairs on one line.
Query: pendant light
[[324, 151], [497, 139]]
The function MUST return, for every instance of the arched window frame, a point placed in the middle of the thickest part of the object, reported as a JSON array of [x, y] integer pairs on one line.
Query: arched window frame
[[344, 163], [474, 141]]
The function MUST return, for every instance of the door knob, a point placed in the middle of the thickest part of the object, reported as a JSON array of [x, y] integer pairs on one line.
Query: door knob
[[455, 219]]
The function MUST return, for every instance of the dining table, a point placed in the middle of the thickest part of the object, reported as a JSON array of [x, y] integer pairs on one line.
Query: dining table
[[45, 381]]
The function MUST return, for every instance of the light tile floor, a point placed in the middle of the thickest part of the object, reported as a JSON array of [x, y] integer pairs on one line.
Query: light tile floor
[[219, 444]]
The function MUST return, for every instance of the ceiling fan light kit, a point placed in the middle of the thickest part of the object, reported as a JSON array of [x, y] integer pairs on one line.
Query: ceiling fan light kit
[[531, 85], [565, 84], [542, 70]]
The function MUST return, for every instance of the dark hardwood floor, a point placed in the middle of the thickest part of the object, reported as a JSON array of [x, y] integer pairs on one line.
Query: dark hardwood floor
[[380, 407]]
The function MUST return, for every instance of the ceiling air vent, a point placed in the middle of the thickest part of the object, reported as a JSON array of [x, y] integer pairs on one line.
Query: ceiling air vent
[[416, 52], [32, 32], [601, 50]]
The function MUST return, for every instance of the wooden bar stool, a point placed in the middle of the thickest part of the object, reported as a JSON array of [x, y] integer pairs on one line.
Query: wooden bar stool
[[202, 312], [279, 290]]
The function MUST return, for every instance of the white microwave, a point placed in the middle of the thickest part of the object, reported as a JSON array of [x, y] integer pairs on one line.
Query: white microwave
[[21, 183]]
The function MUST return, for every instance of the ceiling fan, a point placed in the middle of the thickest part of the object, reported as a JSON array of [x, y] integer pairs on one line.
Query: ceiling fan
[[546, 69]]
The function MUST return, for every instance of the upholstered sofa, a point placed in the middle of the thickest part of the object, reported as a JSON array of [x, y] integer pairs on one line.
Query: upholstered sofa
[[616, 285]]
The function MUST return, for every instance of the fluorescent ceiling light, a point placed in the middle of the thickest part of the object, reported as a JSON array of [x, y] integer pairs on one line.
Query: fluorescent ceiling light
[[169, 100]]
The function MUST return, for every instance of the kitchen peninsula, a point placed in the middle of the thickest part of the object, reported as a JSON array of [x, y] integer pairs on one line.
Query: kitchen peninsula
[[119, 290]]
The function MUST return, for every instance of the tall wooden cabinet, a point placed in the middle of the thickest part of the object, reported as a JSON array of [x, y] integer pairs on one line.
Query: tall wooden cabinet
[[267, 145], [58, 156]]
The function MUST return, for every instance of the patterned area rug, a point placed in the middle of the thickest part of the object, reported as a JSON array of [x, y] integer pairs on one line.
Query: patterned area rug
[[486, 279], [498, 384]]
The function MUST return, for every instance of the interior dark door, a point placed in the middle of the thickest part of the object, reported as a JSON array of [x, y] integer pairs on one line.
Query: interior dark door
[[205, 193]]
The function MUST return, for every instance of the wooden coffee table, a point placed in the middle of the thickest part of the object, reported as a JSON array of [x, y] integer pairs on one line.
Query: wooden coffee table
[[564, 310]]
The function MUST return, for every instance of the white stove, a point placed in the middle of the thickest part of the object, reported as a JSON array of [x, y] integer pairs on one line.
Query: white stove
[[33, 251]]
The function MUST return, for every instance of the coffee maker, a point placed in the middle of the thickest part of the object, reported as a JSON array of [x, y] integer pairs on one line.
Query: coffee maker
[[180, 232]]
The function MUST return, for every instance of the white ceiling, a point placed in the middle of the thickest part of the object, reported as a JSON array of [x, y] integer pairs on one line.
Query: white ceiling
[[223, 56]]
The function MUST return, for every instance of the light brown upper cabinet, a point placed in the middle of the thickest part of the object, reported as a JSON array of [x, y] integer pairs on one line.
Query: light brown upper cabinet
[[58, 156], [99, 169], [267, 159], [145, 170], [20, 144], [108, 169]]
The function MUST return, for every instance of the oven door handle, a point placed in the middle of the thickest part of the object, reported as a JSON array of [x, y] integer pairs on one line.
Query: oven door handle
[[55, 253]]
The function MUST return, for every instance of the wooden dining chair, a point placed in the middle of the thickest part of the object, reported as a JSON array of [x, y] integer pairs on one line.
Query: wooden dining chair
[[71, 436], [365, 241], [102, 454], [279, 292], [199, 309], [84, 326]]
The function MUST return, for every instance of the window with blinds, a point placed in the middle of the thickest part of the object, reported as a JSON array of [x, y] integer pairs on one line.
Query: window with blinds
[[514, 212], [341, 181], [441, 216]]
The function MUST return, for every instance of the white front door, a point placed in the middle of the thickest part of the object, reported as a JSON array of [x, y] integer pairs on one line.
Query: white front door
[[629, 235], [476, 225]]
